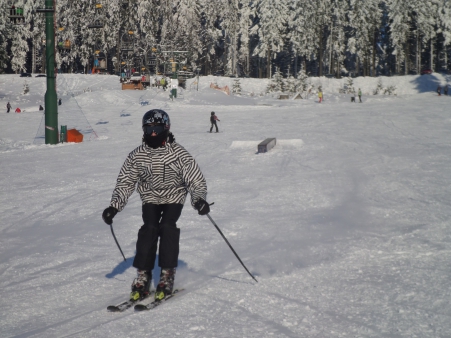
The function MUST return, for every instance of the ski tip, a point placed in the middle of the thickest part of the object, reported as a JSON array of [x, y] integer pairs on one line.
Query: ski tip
[[140, 307], [113, 308]]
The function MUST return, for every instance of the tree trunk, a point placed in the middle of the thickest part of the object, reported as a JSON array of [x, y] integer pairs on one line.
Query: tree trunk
[[320, 59], [268, 65], [357, 66], [374, 54], [118, 53], [432, 54], [417, 54], [406, 60]]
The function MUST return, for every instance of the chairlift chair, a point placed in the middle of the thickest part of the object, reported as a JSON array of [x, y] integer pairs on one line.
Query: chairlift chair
[[96, 24], [98, 17], [15, 14], [127, 42], [64, 44]]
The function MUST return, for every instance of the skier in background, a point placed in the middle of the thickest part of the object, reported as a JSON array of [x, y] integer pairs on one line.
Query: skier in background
[[164, 173], [445, 90], [213, 119], [8, 107], [320, 95], [439, 90], [41, 107], [163, 83], [360, 95]]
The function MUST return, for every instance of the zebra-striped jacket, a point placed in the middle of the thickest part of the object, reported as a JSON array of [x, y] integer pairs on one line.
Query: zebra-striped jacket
[[164, 175]]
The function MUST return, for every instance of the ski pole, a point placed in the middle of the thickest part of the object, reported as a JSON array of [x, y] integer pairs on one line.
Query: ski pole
[[114, 236], [217, 228]]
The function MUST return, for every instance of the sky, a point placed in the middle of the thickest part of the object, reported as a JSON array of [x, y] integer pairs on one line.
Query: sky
[[345, 223]]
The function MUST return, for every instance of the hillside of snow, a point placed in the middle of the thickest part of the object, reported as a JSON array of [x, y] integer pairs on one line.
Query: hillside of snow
[[345, 223]]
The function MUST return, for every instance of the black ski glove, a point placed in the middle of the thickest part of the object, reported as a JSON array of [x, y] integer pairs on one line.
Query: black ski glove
[[108, 215], [202, 207]]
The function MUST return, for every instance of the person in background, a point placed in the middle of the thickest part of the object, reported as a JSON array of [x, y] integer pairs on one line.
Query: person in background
[[213, 119], [41, 107], [163, 83], [439, 90], [164, 172], [320, 95], [360, 95], [8, 107], [445, 90], [59, 102]]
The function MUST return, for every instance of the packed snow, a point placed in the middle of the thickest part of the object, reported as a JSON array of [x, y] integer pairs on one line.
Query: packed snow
[[345, 223]]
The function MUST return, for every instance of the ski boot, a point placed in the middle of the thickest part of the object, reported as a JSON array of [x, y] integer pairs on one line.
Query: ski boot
[[141, 285], [166, 283]]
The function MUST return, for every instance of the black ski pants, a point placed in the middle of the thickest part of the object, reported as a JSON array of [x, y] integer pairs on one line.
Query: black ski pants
[[214, 124], [159, 222]]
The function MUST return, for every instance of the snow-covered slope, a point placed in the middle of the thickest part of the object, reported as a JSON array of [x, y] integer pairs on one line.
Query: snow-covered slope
[[345, 223]]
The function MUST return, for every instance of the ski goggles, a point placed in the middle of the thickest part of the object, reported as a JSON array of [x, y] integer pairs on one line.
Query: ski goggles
[[157, 129]]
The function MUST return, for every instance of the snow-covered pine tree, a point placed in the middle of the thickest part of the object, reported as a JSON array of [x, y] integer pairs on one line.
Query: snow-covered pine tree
[[230, 21], [244, 25], [350, 85], [401, 17], [336, 41], [188, 26], [364, 20], [290, 84], [380, 87], [209, 35], [276, 84], [320, 19], [302, 33], [271, 28], [302, 81]]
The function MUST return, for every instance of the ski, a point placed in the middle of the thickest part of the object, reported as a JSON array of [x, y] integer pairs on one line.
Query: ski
[[127, 304], [155, 303]]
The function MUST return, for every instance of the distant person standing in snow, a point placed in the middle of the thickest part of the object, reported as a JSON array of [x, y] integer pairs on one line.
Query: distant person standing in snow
[[445, 90], [8, 107], [59, 102], [41, 107], [163, 83], [439, 90], [360, 95], [320, 96], [213, 119]]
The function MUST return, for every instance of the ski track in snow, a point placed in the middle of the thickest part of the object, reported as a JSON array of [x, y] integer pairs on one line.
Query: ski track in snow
[[345, 222]]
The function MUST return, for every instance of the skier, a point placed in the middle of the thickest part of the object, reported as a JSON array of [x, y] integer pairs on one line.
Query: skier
[[163, 83], [213, 119], [320, 96], [59, 102], [8, 107], [164, 173], [41, 107], [18, 110], [360, 95], [445, 90], [439, 90]]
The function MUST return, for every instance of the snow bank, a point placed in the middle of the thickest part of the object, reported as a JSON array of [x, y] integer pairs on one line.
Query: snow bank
[[405, 85]]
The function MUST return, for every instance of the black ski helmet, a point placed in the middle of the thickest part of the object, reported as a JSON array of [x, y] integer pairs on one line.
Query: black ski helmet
[[157, 116], [212, 113]]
